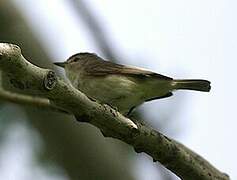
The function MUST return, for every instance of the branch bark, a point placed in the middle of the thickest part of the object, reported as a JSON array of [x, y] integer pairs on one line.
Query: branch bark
[[31, 79]]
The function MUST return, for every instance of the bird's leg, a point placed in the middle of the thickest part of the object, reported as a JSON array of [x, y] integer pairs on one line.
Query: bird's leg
[[130, 111]]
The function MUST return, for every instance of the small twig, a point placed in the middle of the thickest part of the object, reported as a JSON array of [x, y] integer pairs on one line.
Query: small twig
[[29, 101]]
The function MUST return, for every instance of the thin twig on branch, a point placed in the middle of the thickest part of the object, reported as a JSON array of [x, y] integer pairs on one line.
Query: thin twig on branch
[[176, 157], [29, 100]]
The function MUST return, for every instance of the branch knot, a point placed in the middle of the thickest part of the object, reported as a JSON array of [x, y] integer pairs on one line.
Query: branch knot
[[50, 80]]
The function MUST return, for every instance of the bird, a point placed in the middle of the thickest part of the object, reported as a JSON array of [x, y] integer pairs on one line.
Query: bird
[[121, 86]]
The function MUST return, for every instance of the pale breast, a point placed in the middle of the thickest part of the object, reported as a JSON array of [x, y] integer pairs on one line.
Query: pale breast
[[118, 91]]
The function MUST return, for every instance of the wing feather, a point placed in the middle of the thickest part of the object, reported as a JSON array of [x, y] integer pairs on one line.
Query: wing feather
[[103, 68]]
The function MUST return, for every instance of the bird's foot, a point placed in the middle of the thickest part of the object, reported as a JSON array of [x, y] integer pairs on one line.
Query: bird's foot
[[130, 111]]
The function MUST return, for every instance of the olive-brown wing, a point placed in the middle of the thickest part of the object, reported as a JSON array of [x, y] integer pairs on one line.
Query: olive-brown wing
[[104, 68]]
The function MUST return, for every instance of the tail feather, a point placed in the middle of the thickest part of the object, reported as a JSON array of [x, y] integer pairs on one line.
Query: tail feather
[[192, 84]]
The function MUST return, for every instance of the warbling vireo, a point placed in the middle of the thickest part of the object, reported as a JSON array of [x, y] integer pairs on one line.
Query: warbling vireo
[[120, 86]]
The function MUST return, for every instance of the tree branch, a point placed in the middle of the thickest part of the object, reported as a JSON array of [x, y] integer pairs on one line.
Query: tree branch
[[44, 83]]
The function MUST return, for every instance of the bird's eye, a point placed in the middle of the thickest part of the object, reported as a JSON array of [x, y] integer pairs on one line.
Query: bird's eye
[[75, 59]]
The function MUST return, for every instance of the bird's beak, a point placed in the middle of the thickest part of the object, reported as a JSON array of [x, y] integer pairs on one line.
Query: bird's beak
[[61, 64]]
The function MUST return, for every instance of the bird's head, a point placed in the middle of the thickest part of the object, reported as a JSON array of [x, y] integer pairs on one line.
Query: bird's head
[[76, 59]]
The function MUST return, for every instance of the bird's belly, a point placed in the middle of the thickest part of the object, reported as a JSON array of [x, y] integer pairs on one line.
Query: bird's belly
[[117, 91]]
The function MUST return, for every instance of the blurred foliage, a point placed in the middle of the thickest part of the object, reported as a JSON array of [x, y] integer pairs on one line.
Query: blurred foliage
[[97, 32]]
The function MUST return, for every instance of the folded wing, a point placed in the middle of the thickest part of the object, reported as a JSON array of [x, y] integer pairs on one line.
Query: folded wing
[[103, 68]]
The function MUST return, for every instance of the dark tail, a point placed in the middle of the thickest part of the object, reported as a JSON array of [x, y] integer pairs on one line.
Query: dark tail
[[192, 84]]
